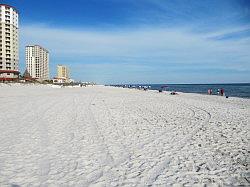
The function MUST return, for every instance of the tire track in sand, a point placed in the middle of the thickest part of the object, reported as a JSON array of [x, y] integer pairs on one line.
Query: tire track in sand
[[153, 174]]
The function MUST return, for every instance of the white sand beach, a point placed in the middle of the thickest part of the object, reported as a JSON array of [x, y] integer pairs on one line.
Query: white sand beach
[[105, 136]]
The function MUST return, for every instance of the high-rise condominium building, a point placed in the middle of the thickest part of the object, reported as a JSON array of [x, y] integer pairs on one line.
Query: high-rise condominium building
[[63, 72], [8, 42], [37, 62]]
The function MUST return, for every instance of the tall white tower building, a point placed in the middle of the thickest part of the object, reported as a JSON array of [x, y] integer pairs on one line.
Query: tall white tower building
[[37, 62], [9, 47]]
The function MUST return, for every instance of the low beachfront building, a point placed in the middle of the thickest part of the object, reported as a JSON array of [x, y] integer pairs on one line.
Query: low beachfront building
[[37, 62], [9, 50], [57, 80]]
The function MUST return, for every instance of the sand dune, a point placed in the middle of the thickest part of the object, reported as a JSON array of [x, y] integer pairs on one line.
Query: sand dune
[[103, 136]]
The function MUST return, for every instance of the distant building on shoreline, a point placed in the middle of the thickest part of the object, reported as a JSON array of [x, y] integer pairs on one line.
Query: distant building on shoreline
[[62, 74], [37, 62], [9, 47]]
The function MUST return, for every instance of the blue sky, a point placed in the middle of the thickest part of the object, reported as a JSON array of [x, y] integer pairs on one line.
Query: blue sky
[[141, 41]]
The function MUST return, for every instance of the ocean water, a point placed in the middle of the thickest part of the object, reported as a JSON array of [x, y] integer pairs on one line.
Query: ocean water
[[231, 90]]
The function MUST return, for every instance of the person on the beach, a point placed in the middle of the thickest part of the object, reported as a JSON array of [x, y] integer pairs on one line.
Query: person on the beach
[[221, 91], [173, 93], [218, 92], [209, 91]]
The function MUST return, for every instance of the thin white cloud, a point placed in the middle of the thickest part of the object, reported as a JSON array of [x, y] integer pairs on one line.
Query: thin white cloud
[[159, 44], [224, 32], [98, 56]]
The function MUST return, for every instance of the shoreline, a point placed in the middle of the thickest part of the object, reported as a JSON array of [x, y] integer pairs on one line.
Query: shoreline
[[203, 94], [231, 90], [199, 93]]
